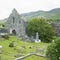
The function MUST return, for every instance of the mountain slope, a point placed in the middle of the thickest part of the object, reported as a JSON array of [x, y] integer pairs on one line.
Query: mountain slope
[[52, 14]]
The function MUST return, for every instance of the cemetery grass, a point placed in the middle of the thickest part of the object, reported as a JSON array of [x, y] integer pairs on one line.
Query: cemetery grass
[[20, 48]]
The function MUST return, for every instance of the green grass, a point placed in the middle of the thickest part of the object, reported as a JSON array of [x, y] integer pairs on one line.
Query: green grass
[[8, 53]]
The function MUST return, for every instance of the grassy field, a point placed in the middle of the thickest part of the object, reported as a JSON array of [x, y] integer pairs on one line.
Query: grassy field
[[20, 47]]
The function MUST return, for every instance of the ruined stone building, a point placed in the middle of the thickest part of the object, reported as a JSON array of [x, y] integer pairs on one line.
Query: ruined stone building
[[15, 24], [56, 27]]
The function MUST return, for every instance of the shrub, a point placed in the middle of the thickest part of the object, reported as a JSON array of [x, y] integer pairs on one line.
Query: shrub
[[53, 51], [6, 36], [11, 44]]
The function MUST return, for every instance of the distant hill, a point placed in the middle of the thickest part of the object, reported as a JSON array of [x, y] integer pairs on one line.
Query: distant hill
[[52, 14], [3, 21]]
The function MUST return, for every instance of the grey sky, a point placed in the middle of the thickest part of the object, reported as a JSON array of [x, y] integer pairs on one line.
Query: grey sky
[[23, 6]]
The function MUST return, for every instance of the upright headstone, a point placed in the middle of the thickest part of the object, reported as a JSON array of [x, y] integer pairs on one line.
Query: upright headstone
[[37, 38], [32, 39]]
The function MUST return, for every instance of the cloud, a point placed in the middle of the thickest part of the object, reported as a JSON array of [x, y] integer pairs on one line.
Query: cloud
[[23, 6]]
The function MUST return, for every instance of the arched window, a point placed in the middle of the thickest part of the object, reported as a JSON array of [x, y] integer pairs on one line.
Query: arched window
[[13, 20], [19, 21]]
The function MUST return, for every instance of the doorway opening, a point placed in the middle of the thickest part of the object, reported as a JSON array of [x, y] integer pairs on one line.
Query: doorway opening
[[13, 32]]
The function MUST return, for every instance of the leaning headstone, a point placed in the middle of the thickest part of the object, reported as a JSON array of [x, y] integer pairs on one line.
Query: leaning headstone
[[37, 38]]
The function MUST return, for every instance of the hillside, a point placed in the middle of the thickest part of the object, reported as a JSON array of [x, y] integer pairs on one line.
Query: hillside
[[52, 14], [21, 48]]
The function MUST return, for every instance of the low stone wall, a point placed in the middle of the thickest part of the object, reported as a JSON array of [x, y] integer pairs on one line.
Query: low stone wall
[[30, 55], [23, 56], [40, 55]]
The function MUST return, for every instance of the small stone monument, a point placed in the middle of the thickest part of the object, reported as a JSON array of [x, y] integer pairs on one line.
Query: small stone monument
[[0, 47], [37, 38]]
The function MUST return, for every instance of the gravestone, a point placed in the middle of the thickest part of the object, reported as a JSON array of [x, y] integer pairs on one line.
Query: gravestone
[[17, 55], [0, 47], [39, 50], [59, 57], [37, 38], [26, 38], [32, 39]]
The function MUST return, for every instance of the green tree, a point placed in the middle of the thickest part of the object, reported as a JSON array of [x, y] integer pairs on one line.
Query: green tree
[[53, 51], [41, 26]]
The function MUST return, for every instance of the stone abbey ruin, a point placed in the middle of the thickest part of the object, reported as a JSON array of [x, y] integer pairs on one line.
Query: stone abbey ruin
[[15, 24]]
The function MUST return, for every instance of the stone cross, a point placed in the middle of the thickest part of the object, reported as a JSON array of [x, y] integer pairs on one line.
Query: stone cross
[[37, 38]]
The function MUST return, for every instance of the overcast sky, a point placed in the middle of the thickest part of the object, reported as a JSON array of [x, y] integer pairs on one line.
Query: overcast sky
[[23, 6]]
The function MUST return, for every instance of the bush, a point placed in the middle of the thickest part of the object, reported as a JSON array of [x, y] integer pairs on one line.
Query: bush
[[41, 26], [11, 44], [53, 51], [6, 36]]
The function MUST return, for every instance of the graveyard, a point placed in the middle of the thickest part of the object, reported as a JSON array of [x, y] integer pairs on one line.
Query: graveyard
[[14, 46], [28, 40], [20, 48]]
